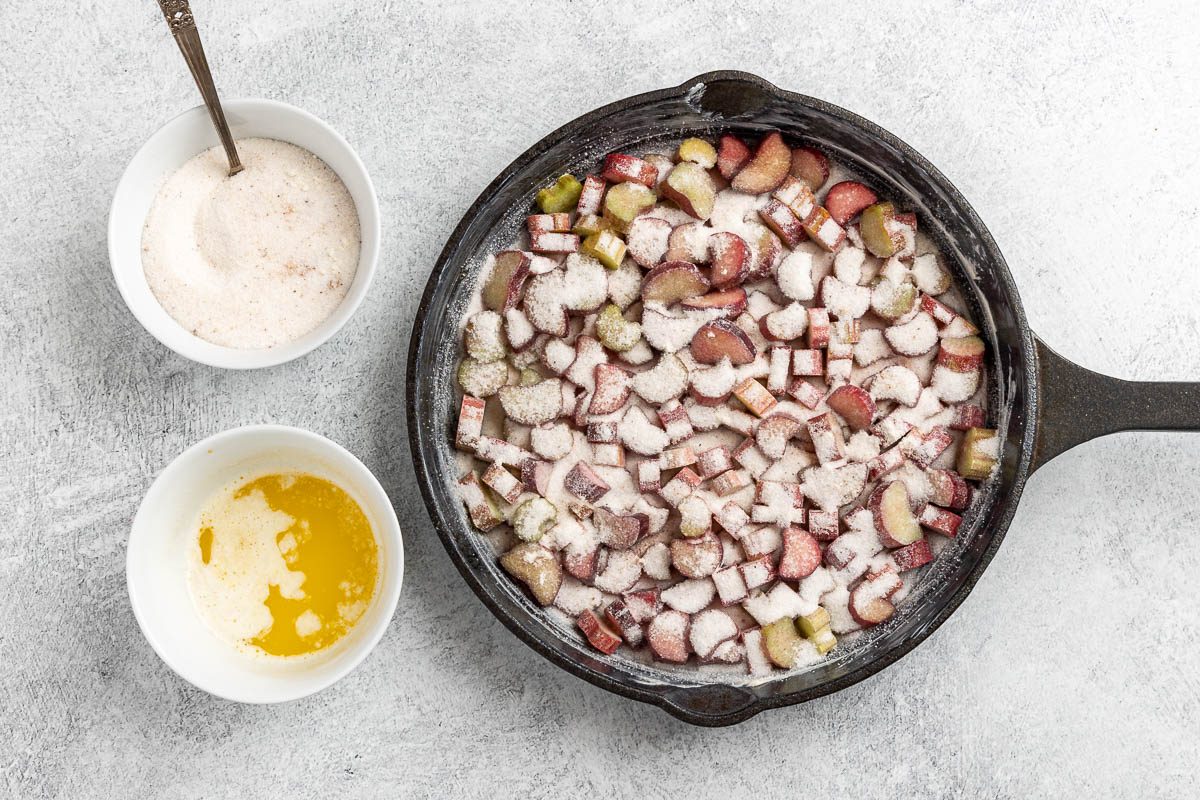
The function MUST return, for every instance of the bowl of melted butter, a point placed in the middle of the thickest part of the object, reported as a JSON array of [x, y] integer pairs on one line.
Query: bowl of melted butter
[[264, 563]]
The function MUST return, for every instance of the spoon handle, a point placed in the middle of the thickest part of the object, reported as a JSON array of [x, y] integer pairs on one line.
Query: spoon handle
[[183, 27]]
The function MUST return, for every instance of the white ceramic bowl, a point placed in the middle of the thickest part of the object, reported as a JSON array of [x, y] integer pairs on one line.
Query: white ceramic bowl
[[189, 134], [163, 533]]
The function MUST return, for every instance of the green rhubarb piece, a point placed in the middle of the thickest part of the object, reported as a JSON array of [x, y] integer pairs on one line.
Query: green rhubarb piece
[[561, 197], [606, 247]]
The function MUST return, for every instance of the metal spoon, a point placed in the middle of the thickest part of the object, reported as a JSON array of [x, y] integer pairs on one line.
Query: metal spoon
[[183, 28]]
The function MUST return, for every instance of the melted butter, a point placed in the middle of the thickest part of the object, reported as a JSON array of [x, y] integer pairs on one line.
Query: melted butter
[[285, 564]]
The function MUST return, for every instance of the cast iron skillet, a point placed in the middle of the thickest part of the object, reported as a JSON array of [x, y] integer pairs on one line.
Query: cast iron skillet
[[1041, 403]]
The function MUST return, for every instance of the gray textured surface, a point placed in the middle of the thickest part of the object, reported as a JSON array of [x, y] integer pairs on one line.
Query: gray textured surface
[[1071, 670]]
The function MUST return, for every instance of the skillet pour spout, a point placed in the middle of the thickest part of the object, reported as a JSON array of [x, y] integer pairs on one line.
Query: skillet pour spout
[[1040, 403]]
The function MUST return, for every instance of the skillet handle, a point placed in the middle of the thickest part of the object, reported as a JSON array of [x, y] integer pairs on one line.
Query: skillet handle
[[1078, 405]]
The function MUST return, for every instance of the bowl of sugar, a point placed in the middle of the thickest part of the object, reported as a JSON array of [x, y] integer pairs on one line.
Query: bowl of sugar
[[250, 270]]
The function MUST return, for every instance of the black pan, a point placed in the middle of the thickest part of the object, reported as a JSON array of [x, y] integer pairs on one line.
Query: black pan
[[1041, 403]]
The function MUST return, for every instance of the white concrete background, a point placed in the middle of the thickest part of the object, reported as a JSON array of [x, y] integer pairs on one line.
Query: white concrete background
[[1070, 672]]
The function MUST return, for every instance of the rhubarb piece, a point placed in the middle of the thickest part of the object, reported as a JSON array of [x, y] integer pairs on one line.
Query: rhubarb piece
[[562, 196], [961, 355], [591, 194], [615, 332], [759, 570], [498, 451], [720, 339], [690, 596], [483, 512], [754, 397], [532, 405], [854, 405], [620, 573], [673, 281], [783, 222], [967, 416], [619, 615], [942, 314], [667, 380], [608, 455], [709, 630], [677, 458], [780, 359], [823, 230], [589, 225], [886, 462], [731, 301], [871, 347], [619, 168], [794, 276], [782, 643], [644, 605], [640, 435], [470, 423], [767, 169], [503, 483], [891, 300], [544, 304], [691, 188], [583, 482], [537, 568], [877, 235], [482, 337], [830, 488], [959, 327], [848, 265], [730, 586], [808, 363], [680, 487], [713, 462], [978, 453], [823, 525], [589, 354], [532, 518], [823, 640], [896, 383], [647, 240], [689, 242], [805, 393], [941, 520], [481, 379], [696, 558], [649, 477], [786, 324], [801, 554], [811, 624], [502, 289], [953, 387], [695, 519], [847, 199], [827, 438], [656, 562], [818, 328], [733, 155], [616, 532], [731, 481], [810, 166], [798, 198], [605, 246], [949, 489], [774, 433], [844, 300], [894, 519], [731, 259], [535, 476], [668, 636], [518, 330], [924, 448], [914, 338], [624, 202], [675, 420], [548, 223], [766, 249], [698, 151], [732, 518], [869, 603], [929, 276], [913, 556]]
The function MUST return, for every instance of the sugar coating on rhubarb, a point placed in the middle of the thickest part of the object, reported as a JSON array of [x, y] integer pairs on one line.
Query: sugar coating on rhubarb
[[695, 474]]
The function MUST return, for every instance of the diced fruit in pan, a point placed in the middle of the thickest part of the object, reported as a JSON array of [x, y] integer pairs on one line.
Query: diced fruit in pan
[[617, 532], [730, 301], [767, 168], [913, 556], [795, 195], [656, 562], [482, 510], [730, 586], [876, 233], [640, 435], [589, 224], [691, 188], [731, 481], [844, 300], [754, 397], [481, 379], [826, 435], [782, 642], [710, 629], [810, 166], [680, 487], [674, 417], [562, 196], [780, 358], [689, 242], [619, 168], [896, 383], [696, 558], [929, 275], [914, 338], [647, 240], [823, 640], [794, 276], [470, 422], [583, 482], [959, 327], [892, 301], [766, 248], [532, 405], [978, 453], [732, 156], [831, 487], [553, 242], [776, 216], [619, 615], [698, 151], [942, 314], [666, 380], [713, 462], [894, 519], [624, 202], [869, 601], [923, 448], [941, 520], [533, 518], [730, 257], [786, 324], [854, 405], [673, 281], [801, 554], [537, 568], [544, 304], [502, 289], [953, 387], [824, 230], [503, 483], [847, 199], [720, 339], [818, 328], [774, 433], [625, 284], [591, 194], [961, 355], [606, 247], [548, 223], [518, 330], [823, 525], [695, 519], [615, 332], [949, 489], [482, 336], [886, 462], [690, 596], [643, 605], [620, 573], [677, 458], [809, 363], [967, 416], [668, 636]]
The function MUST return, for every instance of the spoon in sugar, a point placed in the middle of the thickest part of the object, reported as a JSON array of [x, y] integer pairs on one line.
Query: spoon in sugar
[[183, 27]]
